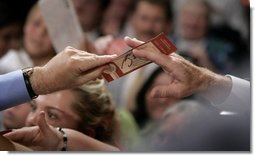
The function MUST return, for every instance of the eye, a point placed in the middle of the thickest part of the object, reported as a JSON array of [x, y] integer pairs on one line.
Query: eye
[[52, 115]]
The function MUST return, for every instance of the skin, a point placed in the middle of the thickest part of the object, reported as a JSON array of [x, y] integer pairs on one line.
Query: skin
[[36, 39], [193, 21], [57, 107], [148, 20], [75, 67], [157, 106], [88, 12], [185, 78], [15, 117], [45, 137]]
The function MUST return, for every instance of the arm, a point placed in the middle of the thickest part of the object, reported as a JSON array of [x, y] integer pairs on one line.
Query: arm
[[7, 145], [239, 98], [80, 142], [187, 79], [68, 69], [13, 90], [46, 137]]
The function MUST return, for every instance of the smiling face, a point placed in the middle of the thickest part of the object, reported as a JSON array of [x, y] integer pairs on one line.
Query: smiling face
[[36, 38], [58, 109]]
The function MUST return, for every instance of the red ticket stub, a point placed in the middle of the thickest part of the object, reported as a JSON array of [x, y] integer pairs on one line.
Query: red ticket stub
[[128, 62]]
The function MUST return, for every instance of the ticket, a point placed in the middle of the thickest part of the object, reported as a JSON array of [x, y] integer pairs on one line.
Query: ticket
[[127, 62]]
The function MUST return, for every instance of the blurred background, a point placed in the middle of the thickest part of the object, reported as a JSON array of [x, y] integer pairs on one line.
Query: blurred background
[[214, 34]]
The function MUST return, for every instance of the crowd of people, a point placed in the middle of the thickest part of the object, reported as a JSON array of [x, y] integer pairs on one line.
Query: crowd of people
[[180, 102]]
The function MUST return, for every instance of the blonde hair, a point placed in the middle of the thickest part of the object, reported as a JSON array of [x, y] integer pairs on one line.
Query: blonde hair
[[94, 105]]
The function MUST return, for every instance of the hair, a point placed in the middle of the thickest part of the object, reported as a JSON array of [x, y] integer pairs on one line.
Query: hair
[[104, 4], [164, 4], [140, 114], [94, 106], [31, 12], [204, 3]]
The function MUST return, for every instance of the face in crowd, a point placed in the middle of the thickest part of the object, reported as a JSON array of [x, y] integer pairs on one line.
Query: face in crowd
[[36, 38], [89, 13], [157, 106], [58, 110], [89, 111], [9, 37], [193, 20], [149, 19]]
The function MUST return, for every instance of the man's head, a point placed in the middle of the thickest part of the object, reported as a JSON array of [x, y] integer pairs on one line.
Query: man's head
[[193, 19], [151, 17], [90, 12]]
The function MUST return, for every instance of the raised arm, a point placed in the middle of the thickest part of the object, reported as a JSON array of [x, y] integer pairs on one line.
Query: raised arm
[[46, 137]]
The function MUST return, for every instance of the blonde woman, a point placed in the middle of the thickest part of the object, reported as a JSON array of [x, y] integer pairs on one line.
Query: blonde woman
[[87, 110]]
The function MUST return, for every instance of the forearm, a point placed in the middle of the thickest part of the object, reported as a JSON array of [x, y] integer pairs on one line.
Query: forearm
[[80, 142], [13, 90], [38, 82], [239, 98], [216, 88], [227, 93]]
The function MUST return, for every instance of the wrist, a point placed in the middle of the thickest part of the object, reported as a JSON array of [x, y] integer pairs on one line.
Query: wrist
[[38, 82], [216, 87], [62, 140], [27, 75]]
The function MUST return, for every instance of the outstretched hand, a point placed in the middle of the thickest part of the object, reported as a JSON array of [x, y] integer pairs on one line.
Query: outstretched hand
[[41, 137], [185, 78], [68, 69]]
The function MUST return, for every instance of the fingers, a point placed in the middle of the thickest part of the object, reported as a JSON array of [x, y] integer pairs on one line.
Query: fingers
[[166, 62], [160, 92], [42, 123], [92, 75], [165, 91], [88, 63], [15, 135], [132, 42]]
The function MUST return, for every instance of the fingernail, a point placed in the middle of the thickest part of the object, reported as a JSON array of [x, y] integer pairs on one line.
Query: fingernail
[[134, 50], [114, 55]]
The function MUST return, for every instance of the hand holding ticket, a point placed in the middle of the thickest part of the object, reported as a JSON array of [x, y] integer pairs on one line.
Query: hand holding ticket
[[128, 62]]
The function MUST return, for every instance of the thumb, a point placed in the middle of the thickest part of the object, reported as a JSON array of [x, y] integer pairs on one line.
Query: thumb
[[165, 91], [132, 42], [42, 123]]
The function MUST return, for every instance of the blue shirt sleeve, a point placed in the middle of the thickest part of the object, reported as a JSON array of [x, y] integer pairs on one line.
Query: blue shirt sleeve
[[13, 90]]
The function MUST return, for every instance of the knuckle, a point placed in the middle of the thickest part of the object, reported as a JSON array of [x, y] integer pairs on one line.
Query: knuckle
[[71, 61], [69, 52], [68, 48]]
